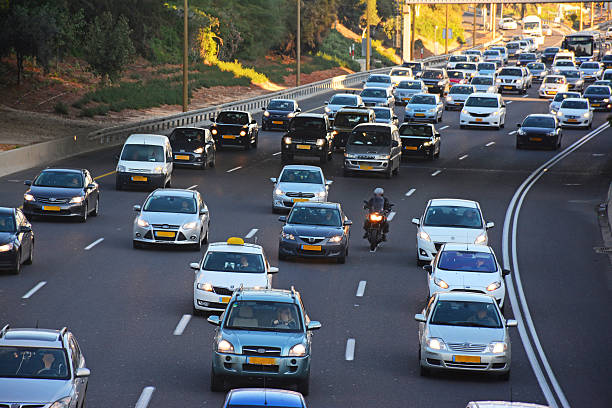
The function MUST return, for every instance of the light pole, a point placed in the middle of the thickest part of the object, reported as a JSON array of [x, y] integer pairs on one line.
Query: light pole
[[298, 44], [368, 51], [185, 50], [474, 28], [446, 31]]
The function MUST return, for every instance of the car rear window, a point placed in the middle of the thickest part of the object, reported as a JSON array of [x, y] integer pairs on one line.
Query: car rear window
[[539, 122], [233, 118], [344, 119], [413, 129]]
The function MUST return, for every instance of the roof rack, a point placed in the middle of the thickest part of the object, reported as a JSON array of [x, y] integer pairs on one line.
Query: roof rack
[[4, 330], [62, 332]]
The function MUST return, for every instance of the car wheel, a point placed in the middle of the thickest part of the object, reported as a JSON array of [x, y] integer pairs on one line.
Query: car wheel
[[17, 269], [303, 386], [424, 372], [212, 163], [389, 171], [461, 126], [205, 240], [323, 158], [30, 255], [346, 173], [198, 245], [217, 382], [342, 259], [83, 218], [285, 158], [282, 257], [96, 209]]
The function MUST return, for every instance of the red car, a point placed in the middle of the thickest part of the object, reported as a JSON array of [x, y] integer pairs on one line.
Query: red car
[[457, 77]]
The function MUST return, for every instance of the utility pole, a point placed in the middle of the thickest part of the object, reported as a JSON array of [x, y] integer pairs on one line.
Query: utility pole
[[580, 27], [368, 51], [406, 40], [412, 17], [493, 12], [474, 28], [592, 13], [446, 31], [298, 44], [185, 50]]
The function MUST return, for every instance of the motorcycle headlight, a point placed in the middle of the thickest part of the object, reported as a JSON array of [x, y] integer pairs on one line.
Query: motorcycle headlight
[[441, 283], [205, 286], [62, 403], [287, 140], [436, 343], [28, 197], [336, 239], [214, 131], [427, 144], [299, 350], [497, 347], [242, 133], [423, 235], [225, 346], [285, 235], [519, 81], [190, 225], [320, 142], [278, 191], [6, 247], [121, 169], [76, 200], [606, 100], [494, 286], [553, 112], [266, 114], [199, 150], [142, 223], [481, 239], [551, 134]]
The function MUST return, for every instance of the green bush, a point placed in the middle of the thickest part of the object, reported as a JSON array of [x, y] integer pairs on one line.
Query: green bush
[[61, 108], [167, 48], [101, 110]]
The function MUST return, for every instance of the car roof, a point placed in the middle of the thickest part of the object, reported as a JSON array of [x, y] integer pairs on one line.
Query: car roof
[[174, 192], [488, 95], [451, 246], [7, 210], [79, 171], [244, 247], [353, 110], [147, 139], [576, 99], [301, 167], [454, 202], [540, 115], [387, 126], [504, 404], [233, 111], [27, 337], [311, 115], [189, 127], [344, 94], [281, 100], [277, 295], [316, 205], [465, 296], [265, 397]]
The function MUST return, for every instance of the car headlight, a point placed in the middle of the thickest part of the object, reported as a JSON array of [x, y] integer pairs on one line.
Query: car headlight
[[408, 109], [266, 113], [449, 98], [559, 114], [498, 80], [62, 403], [441, 283], [496, 113], [498, 347], [299, 350], [158, 169], [551, 134], [278, 191], [427, 144], [290, 237], [350, 156], [464, 111], [6, 247], [225, 346], [287, 140], [336, 238], [440, 82], [606, 100], [423, 235], [190, 225], [214, 131], [199, 150], [585, 114], [28, 197], [76, 200], [321, 194], [290, 115], [327, 109], [431, 110], [205, 286], [142, 223], [436, 343], [383, 157], [519, 81], [320, 142], [494, 286], [481, 239], [242, 133], [121, 169]]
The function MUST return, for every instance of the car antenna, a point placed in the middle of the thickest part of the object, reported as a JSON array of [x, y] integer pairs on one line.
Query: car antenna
[[37, 323]]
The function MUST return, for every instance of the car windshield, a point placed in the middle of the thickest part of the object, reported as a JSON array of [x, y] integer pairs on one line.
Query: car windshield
[[422, 100], [463, 90], [527, 56], [263, 316], [350, 119], [572, 74], [187, 135], [453, 216], [383, 113], [430, 74], [170, 204], [456, 74], [574, 105], [607, 75], [409, 85], [536, 66], [492, 53], [512, 46], [467, 261], [551, 50], [142, 152], [238, 262], [607, 58], [33, 362], [589, 65], [400, 72], [539, 122], [343, 100], [510, 72], [482, 81], [597, 90], [324, 216], [379, 79], [554, 80], [301, 176], [374, 93], [481, 102], [562, 95], [281, 105], [466, 313], [413, 129], [7, 223], [304, 123], [466, 65], [233, 118], [564, 63], [455, 58], [61, 179], [486, 66], [415, 66]]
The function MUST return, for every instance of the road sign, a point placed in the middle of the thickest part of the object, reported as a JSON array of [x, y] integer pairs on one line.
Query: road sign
[[450, 33]]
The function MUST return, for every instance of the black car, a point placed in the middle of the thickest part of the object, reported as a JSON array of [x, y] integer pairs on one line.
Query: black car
[[417, 67], [235, 128], [346, 120], [193, 146], [62, 192], [16, 240], [436, 81], [599, 97], [278, 114], [420, 139], [549, 54], [525, 58], [539, 130], [315, 230], [606, 60], [310, 134]]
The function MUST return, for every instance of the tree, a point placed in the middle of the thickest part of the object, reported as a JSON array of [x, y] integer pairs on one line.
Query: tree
[[108, 47]]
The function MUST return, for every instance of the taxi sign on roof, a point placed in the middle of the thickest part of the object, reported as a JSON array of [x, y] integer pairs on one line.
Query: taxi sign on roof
[[235, 241]]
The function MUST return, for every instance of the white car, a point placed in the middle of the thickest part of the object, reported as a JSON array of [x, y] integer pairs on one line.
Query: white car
[[492, 56], [225, 267], [400, 74], [562, 65], [341, 100], [449, 220], [508, 23], [551, 85], [575, 112], [484, 83], [468, 68], [454, 59], [592, 70], [546, 30], [457, 95], [379, 81], [559, 98], [299, 183], [405, 89], [469, 268], [483, 109]]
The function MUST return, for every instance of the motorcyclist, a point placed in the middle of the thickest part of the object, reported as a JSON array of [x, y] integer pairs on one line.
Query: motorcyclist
[[377, 203]]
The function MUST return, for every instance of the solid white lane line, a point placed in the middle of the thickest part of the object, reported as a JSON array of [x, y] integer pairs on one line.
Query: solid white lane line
[[598, 154], [490, 144], [314, 109], [93, 244], [361, 289], [192, 187], [572, 184], [234, 169], [145, 397], [525, 96], [411, 192], [391, 216], [463, 157], [34, 289], [180, 327], [276, 154], [435, 173], [444, 127], [349, 355], [251, 233], [511, 133]]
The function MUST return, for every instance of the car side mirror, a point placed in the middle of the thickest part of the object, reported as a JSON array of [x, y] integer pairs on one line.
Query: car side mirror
[[282, 218], [91, 186], [416, 221], [420, 317], [263, 109], [273, 179], [511, 323], [298, 110], [82, 372], [214, 320], [326, 103], [505, 272], [137, 208], [428, 268], [28, 182], [347, 223], [313, 325], [212, 119], [24, 229], [490, 225], [395, 143], [273, 269], [195, 266]]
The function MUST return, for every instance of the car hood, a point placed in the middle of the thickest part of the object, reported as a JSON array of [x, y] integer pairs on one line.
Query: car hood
[[145, 166], [595, 97], [55, 192], [300, 187], [455, 235], [459, 97], [312, 230], [6, 237], [483, 87], [404, 91], [240, 338], [552, 86], [462, 334], [468, 280], [167, 218], [536, 130], [367, 150], [574, 112], [232, 280], [34, 391], [480, 109], [420, 106]]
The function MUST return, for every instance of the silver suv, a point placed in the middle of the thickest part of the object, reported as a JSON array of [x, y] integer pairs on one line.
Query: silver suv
[[41, 368], [512, 79]]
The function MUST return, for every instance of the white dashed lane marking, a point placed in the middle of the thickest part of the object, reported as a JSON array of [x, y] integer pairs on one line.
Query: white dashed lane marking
[[361, 289], [93, 244], [251, 233], [182, 324], [234, 169], [145, 397], [411, 192], [490, 144], [192, 187], [34, 289], [513, 132], [349, 355], [444, 127], [276, 154], [391, 216], [463, 157]]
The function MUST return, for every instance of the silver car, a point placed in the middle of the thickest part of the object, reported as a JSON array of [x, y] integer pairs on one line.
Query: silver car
[[41, 368], [299, 183], [339, 101], [405, 89], [172, 216], [464, 331]]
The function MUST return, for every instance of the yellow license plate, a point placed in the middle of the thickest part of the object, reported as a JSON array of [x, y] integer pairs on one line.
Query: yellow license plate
[[300, 200], [419, 114], [277, 122], [139, 178], [303, 147], [51, 208], [507, 87], [225, 299], [478, 119], [406, 99], [261, 360], [411, 148], [311, 247], [181, 157], [595, 104], [535, 139], [573, 120], [551, 92], [466, 359], [364, 167], [229, 136], [166, 234]]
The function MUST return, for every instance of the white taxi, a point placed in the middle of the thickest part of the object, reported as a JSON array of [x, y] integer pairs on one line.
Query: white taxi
[[225, 267], [551, 85]]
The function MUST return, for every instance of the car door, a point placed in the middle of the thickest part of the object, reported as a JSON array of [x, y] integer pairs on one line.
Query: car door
[[89, 193], [22, 237], [396, 147], [77, 361], [169, 166]]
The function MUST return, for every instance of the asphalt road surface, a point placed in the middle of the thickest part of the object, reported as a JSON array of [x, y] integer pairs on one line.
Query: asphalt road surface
[[124, 304]]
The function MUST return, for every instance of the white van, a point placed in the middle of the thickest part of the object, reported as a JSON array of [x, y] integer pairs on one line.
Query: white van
[[145, 160]]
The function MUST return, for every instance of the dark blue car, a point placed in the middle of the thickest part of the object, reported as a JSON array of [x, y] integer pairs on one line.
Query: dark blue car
[[263, 397], [278, 114]]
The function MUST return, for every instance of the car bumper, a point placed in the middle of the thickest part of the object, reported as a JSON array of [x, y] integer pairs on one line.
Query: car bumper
[[420, 117], [284, 202], [447, 360], [547, 93], [468, 120], [303, 149], [537, 140], [575, 122], [422, 151], [231, 140], [275, 123], [151, 235], [189, 159], [375, 166], [455, 104], [209, 301], [601, 105], [141, 179], [434, 88], [8, 260], [294, 248], [237, 365], [55, 210], [509, 88]]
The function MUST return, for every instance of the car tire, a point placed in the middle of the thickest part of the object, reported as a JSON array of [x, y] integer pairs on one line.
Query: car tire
[[217, 382], [285, 158], [423, 371], [323, 158], [96, 209], [212, 163], [83, 218], [461, 126], [389, 172], [30, 255], [282, 257], [303, 386], [342, 259], [205, 240], [346, 173], [17, 269]]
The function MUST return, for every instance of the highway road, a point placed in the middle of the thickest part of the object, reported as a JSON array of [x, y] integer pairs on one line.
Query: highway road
[[124, 304]]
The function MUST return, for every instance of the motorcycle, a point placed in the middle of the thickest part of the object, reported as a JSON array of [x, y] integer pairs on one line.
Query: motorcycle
[[377, 219]]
